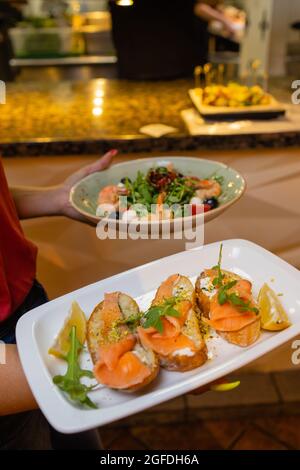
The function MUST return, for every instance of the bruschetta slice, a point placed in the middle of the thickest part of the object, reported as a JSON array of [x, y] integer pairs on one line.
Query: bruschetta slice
[[120, 361], [171, 328], [228, 306]]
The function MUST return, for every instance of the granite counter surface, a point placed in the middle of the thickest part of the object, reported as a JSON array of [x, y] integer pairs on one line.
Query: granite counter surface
[[90, 117]]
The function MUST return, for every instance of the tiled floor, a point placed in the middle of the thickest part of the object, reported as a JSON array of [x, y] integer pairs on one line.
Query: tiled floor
[[264, 413]]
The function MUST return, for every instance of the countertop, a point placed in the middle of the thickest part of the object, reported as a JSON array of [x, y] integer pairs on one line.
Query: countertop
[[90, 117]]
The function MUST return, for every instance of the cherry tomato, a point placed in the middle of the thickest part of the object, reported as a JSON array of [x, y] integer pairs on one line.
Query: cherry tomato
[[197, 209]]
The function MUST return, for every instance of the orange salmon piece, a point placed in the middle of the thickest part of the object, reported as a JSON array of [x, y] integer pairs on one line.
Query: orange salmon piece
[[128, 372], [110, 310], [164, 345], [110, 353], [227, 317], [165, 291]]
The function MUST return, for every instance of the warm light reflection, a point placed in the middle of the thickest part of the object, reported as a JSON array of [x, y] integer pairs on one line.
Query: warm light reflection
[[98, 101], [125, 3], [99, 93], [97, 111]]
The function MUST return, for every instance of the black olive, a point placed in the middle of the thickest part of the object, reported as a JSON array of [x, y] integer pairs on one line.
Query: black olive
[[123, 180], [212, 202]]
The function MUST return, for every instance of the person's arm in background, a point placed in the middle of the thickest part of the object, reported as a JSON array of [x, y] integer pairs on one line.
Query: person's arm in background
[[40, 202], [15, 393], [209, 13]]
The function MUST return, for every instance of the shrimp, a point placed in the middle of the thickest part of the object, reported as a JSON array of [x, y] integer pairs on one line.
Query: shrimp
[[207, 189], [109, 195]]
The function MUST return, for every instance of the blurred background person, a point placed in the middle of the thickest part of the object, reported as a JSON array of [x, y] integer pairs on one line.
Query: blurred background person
[[161, 40], [10, 14]]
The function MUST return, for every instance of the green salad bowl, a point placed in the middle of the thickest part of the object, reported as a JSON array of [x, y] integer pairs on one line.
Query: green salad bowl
[[84, 194]]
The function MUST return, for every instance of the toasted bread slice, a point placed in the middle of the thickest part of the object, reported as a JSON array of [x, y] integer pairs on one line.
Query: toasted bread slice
[[204, 292], [101, 335], [191, 351]]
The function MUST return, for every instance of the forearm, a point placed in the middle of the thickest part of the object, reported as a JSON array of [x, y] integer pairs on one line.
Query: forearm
[[15, 393], [36, 202], [208, 13]]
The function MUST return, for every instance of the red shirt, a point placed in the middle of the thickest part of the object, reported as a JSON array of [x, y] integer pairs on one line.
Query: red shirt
[[17, 255]]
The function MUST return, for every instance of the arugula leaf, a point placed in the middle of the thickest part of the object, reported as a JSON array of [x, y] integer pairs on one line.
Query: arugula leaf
[[70, 382], [243, 306], [223, 296], [154, 315], [218, 281]]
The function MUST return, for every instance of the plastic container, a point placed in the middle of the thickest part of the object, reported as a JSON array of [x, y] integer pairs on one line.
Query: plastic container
[[42, 42]]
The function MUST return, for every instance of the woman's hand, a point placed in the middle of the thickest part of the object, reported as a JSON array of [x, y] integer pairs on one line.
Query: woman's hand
[[63, 191], [42, 202]]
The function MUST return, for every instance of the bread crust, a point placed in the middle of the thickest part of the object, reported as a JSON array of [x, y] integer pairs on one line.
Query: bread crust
[[243, 337], [94, 324]]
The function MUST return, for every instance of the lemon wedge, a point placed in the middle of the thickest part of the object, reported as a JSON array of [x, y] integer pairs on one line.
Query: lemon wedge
[[273, 315], [61, 345]]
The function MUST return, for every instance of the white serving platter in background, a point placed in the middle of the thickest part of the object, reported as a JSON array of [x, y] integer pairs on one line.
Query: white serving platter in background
[[209, 112], [37, 329]]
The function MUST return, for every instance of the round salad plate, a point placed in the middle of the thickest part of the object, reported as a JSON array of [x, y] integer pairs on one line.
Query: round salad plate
[[84, 194]]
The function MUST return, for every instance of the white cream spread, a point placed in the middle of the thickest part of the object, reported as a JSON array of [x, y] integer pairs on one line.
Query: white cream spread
[[207, 285], [184, 352]]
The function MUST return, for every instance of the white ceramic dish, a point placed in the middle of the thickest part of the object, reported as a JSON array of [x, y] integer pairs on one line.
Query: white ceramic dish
[[37, 329]]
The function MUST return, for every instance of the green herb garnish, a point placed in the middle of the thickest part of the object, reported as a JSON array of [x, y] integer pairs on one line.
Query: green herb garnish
[[154, 315], [224, 296], [70, 382], [218, 281]]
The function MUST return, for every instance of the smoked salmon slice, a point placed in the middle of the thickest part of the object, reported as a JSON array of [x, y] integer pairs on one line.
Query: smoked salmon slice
[[165, 345], [120, 362], [128, 372], [228, 317], [171, 339]]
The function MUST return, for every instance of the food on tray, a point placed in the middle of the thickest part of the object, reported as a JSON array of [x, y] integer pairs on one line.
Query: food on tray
[[120, 361], [226, 302], [273, 315], [76, 318], [235, 95], [161, 193], [127, 346], [70, 383], [171, 328]]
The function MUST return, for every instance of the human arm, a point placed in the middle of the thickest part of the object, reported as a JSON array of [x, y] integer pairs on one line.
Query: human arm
[[209, 13], [15, 393], [39, 202]]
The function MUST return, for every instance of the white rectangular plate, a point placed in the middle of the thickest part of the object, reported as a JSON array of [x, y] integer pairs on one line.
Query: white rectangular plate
[[207, 110], [37, 329]]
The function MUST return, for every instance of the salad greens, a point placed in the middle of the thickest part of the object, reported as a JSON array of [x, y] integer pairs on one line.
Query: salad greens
[[146, 189], [70, 382]]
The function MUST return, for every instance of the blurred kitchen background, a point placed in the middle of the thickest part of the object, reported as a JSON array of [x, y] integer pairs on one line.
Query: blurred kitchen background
[[72, 39]]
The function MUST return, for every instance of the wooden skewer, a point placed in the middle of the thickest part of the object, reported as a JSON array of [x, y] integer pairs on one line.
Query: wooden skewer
[[254, 67], [207, 73], [197, 75], [221, 69]]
